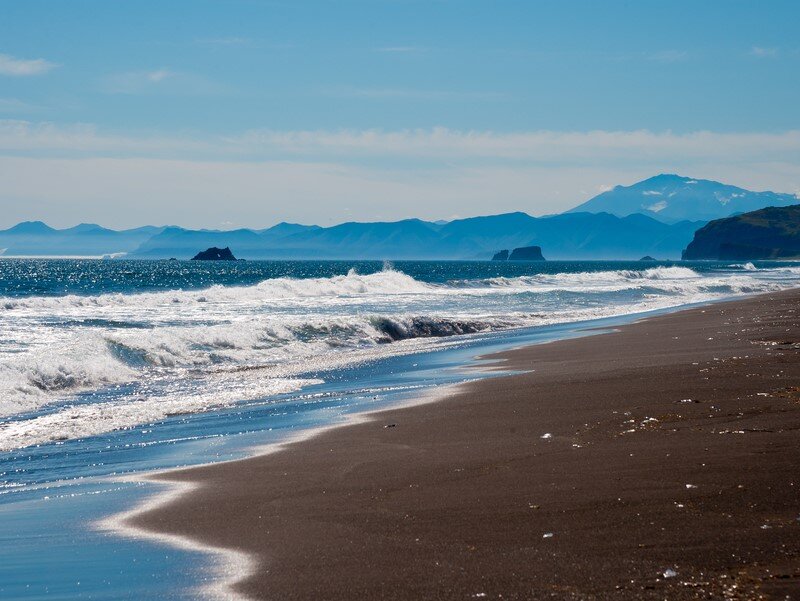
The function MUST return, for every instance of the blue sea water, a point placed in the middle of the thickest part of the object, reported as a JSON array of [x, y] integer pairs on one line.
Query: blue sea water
[[117, 367]]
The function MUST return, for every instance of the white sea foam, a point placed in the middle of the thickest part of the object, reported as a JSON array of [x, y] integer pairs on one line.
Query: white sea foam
[[230, 566], [343, 290], [30, 379], [189, 351], [88, 419], [677, 280], [388, 282]]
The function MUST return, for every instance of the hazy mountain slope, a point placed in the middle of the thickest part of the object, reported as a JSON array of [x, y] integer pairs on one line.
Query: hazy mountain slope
[[770, 233], [479, 236], [673, 198], [571, 236], [283, 229], [567, 236], [28, 228], [87, 239], [605, 236], [409, 238], [183, 243]]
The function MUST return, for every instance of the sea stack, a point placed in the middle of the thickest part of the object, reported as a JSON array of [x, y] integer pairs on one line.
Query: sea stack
[[526, 253], [215, 254]]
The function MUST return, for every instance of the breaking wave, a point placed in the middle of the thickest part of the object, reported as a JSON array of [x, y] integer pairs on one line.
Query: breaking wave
[[387, 282], [157, 354]]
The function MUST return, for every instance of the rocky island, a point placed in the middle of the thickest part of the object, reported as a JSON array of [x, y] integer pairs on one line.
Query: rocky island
[[523, 253], [215, 254]]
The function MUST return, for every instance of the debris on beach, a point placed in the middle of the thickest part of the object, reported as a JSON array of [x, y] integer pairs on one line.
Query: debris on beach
[[546, 436], [669, 573], [547, 535]]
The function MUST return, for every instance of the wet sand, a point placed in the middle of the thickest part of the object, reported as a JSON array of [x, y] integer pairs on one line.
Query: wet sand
[[660, 461]]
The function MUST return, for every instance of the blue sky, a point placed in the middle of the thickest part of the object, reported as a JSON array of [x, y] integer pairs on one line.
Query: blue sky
[[247, 112]]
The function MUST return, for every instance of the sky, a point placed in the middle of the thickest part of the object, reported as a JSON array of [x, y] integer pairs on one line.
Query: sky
[[245, 113]]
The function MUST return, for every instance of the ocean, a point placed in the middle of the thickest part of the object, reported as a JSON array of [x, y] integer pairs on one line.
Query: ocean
[[108, 368]]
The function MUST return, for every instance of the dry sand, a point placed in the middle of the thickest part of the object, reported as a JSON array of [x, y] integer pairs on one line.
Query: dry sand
[[661, 461]]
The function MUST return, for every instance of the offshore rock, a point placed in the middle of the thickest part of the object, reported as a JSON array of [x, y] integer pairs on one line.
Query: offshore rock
[[215, 254], [526, 253]]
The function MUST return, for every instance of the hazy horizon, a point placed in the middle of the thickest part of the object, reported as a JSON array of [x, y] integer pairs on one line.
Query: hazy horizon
[[258, 227]]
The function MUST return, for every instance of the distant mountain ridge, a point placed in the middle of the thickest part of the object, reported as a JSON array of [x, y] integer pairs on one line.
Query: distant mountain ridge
[[180, 242], [657, 217], [672, 198], [573, 236], [567, 236]]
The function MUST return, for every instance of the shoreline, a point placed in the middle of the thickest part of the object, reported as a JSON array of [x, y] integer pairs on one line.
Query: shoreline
[[230, 565], [147, 519]]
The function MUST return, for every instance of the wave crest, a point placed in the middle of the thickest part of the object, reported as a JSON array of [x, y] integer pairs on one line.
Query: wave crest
[[387, 282], [181, 344]]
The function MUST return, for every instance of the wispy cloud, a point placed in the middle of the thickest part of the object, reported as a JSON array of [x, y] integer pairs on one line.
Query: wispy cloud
[[82, 138], [21, 67], [762, 52], [158, 76], [537, 146], [160, 80], [135, 82], [442, 144]]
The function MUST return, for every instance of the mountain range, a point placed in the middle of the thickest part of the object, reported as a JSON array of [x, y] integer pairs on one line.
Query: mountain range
[[567, 236], [658, 216]]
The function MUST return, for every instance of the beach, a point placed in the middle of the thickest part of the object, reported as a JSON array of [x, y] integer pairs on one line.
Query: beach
[[655, 461], [400, 301]]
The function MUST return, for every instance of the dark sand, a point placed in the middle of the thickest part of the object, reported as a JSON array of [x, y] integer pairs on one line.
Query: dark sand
[[455, 501]]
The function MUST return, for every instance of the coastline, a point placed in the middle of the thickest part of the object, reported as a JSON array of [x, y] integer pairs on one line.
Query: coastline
[[460, 472], [229, 566]]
